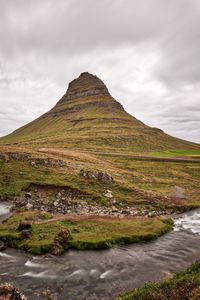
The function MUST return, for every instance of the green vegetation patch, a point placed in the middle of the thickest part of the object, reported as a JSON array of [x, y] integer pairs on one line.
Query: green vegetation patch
[[171, 153], [184, 285], [36, 233]]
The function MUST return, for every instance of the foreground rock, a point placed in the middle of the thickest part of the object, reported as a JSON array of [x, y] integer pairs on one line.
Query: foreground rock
[[9, 292]]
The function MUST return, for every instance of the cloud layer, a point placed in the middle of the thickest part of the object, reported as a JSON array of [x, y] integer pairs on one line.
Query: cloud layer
[[146, 52]]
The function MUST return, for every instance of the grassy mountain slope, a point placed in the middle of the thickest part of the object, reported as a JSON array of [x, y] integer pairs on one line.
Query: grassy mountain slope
[[88, 118]]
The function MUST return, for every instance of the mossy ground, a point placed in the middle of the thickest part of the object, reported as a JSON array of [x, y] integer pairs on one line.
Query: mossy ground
[[184, 285], [88, 232]]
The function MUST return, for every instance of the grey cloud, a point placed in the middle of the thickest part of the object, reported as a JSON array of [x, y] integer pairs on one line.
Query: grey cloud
[[147, 52]]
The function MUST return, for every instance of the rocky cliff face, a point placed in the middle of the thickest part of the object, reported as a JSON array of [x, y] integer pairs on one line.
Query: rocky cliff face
[[85, 85], [85, 92]]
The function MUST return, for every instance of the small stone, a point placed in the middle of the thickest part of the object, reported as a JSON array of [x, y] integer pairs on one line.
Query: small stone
[[29, 206], [26, 233], [58, 195], [56, 203], [41, 236], [57, 251], [28, 195], [108, 194]]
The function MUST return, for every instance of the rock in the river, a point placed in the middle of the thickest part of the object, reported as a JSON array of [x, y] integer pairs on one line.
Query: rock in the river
[[57, 250], [9, 292]]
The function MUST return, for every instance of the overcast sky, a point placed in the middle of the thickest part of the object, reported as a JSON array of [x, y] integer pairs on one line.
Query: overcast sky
[[146, 52]]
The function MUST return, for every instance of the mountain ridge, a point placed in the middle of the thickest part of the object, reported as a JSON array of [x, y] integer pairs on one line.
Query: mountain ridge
[[87, 117]]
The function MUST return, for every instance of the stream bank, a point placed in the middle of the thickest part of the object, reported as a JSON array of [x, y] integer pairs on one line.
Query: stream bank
[[92, 275]]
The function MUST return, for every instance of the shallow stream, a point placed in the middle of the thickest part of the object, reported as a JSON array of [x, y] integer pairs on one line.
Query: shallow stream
[[103, 274]]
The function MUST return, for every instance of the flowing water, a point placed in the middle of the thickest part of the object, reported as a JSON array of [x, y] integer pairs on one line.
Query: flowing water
[[4, 210], [104, 274]]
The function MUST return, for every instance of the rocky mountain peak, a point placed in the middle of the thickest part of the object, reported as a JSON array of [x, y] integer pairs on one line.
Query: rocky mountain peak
[[85, 85]]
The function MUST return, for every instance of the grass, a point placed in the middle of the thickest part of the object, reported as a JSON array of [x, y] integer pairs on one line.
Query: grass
[[184, 285], [183, 152], [136, 182], [87, 232]]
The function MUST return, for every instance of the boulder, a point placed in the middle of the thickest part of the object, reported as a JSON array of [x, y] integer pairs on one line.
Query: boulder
[[8, 292], [23, 225], [61, 241], [64, 236], [26, 233], [108, 194], [89, 174], [104, 177], [5, 156]]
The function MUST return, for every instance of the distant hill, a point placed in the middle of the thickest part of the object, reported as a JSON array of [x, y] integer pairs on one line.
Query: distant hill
[[87, 117]]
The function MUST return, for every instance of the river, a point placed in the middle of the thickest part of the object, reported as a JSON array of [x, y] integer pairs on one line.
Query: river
[[103, 274]]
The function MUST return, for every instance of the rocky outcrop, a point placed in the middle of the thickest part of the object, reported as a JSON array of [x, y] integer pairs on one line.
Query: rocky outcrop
[[104, 177], [85, 85], [4, 156], [61, 241], [9, 292]]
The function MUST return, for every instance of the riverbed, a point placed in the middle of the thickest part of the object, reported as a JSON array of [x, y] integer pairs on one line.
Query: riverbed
[[103, 274]]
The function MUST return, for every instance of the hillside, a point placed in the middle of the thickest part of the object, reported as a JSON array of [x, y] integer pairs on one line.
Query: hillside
[[87, 156], [87, 117]]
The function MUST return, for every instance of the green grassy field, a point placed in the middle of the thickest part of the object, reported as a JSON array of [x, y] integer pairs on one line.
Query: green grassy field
[[92, 232], [141, 183], [172, 153]]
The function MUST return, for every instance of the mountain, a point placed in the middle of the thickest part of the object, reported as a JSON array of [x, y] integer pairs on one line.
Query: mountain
[[87, 117]]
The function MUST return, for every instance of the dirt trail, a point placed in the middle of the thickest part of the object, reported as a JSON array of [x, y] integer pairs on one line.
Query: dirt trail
[[179, 193], [87, 217], [182, 158], [175, 158]]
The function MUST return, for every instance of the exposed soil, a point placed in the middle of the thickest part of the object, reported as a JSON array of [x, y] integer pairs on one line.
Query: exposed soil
[[50, 188], [91, 217]]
